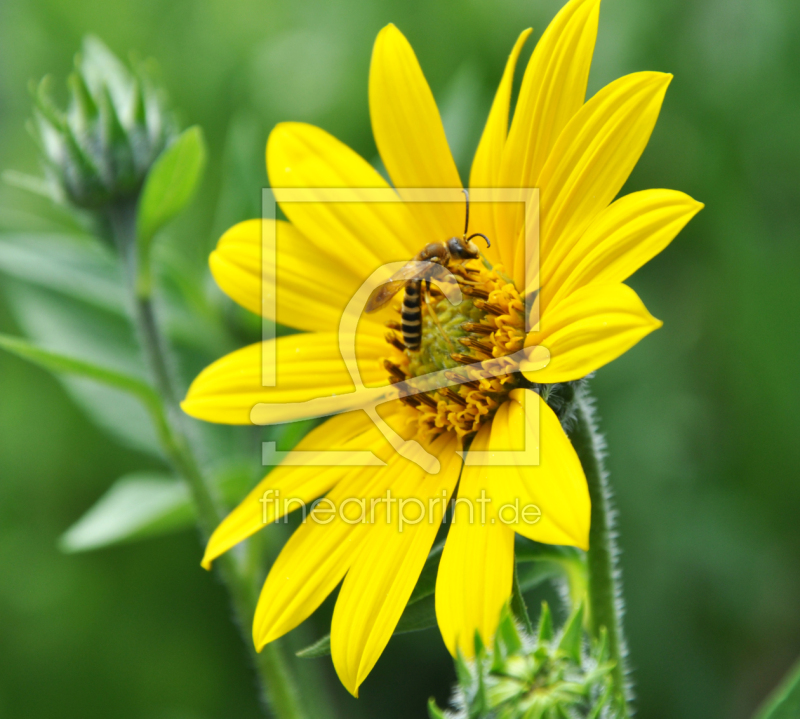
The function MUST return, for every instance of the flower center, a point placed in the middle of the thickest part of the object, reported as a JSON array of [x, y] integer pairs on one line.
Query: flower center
[[488, 323]]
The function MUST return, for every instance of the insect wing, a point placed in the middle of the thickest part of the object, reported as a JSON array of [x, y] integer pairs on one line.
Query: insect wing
[[381, 295], [415, 270]]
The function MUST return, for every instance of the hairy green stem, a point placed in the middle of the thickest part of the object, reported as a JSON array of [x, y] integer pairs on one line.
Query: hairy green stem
[[278, 686], [604, 590]]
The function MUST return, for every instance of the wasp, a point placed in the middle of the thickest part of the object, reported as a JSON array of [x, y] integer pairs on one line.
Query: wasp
[[430, 263]]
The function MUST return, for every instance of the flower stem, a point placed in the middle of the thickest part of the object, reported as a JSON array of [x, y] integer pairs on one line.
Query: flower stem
[[278, 686], [604, 590]]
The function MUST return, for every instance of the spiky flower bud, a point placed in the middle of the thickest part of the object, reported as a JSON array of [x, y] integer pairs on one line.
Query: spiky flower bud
[[547, 676], [98, 150]]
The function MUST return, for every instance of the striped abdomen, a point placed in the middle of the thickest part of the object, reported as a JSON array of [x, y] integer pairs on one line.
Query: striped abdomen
[[412, 317]]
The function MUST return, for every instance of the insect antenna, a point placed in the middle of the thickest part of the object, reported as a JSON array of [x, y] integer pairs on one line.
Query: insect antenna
[[480, 234], [466, 220], [466, 223]]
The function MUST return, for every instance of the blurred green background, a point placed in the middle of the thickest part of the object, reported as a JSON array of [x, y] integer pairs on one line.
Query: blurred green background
[[701, 418]]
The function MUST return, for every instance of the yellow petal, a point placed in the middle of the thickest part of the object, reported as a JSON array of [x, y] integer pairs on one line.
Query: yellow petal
[[308, 366], [588, 329], [319, 553], [622, 238], [312, 287], [477, 567], [360, 235], [593, 157], [409, 133], [380, 582], [544, 498], [553, 89], [489, 155], [285, 486]]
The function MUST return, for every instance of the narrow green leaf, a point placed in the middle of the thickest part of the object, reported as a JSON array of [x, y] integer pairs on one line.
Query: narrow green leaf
[[532, 574], [62, 364], [419, 614], [31, 183], [73, 265], [526, 550], [784, 702], [320, 648], [426, 584], [135, 507], [171, 183], [518, 607], [416, 617]]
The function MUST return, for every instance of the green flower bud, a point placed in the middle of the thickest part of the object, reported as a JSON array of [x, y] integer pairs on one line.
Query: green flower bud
[[98, 151], [534, 677]]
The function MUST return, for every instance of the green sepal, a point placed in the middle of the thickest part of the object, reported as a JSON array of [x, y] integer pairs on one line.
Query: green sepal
[[83, 105], [42, 95], [434, 712], [507, 639], [480, 701], [572, 638], [463, 673], [139, 108], [118, 150], [602, 701], [545, 629], [517, 605]]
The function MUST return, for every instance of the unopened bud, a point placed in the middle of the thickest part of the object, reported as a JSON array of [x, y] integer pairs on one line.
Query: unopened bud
[[99, 150]]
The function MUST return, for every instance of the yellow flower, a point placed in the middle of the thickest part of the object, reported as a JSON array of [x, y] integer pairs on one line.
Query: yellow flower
[[578, 154]]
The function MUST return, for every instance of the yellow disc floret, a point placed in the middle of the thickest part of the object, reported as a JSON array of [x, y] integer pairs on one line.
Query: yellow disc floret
[[488, 324]]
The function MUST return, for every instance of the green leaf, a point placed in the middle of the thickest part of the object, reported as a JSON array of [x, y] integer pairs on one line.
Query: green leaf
[[320, 648], [73, 265], [784, 702], [61, 325], [526, 550], [31, 183], [416, 617], [419, 614], [533, 574], [426, 584], [170, 183], [62, 364], [135, 507], [517, 606]]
